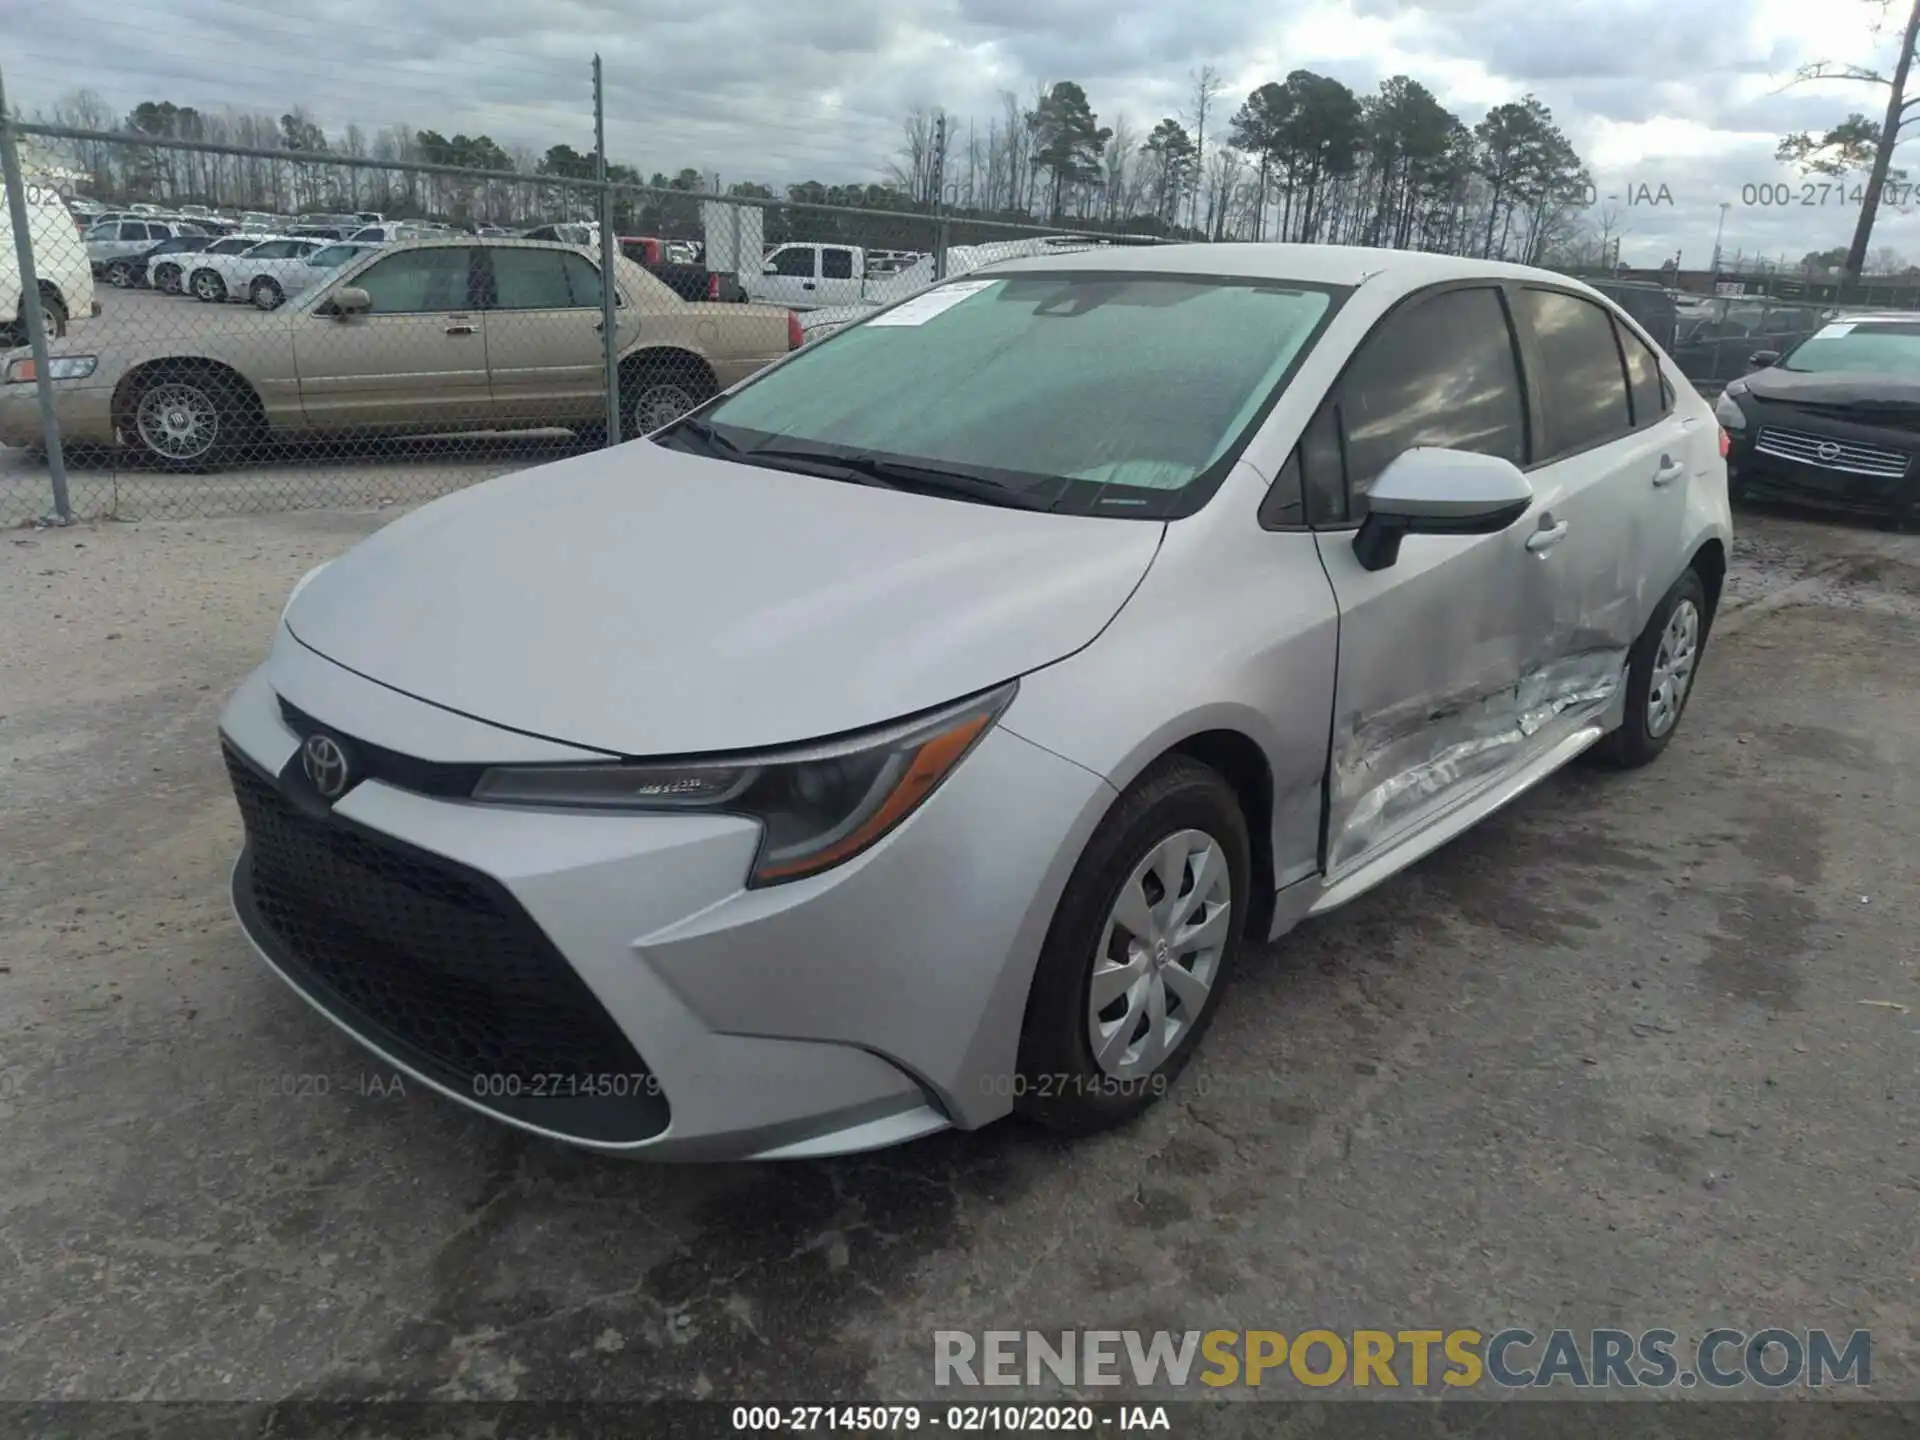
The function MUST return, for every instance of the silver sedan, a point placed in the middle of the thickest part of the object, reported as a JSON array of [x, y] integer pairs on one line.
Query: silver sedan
[[921, 730]]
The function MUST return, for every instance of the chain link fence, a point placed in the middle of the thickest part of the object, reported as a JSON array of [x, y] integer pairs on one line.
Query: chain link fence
[[275, 329], [366, 333]]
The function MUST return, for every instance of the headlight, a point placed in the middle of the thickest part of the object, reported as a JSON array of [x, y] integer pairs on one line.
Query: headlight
[[817, 806], [1728, 412], [300, 585], [1735, 388], [59, 367]]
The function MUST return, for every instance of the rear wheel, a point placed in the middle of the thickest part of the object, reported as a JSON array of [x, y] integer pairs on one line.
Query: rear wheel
[[119, 274], [208, 286], [658, 392], [267, 294], [1660, 673], [1145, 936]]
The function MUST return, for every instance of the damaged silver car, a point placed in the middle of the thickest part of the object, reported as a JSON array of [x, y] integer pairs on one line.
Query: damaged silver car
[[918, 731]]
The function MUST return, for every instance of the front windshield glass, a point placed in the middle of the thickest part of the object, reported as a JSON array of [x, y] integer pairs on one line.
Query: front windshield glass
[[1878, 348], [1109, 391]]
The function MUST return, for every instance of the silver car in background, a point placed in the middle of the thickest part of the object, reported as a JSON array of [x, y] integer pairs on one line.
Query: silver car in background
[[919, 731]]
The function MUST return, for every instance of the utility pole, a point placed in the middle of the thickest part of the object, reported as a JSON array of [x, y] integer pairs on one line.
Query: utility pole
[[32, 311], [1719, 230], [940, 197], [609, 294]]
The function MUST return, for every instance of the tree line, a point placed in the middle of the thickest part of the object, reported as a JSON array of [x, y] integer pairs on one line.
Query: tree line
[[1302, 159]]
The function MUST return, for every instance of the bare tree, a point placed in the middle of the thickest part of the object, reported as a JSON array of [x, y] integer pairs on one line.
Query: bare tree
[[1117, 166], [1207, 85]]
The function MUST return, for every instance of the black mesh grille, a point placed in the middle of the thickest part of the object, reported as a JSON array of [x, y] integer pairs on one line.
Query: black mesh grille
[[436, 964]]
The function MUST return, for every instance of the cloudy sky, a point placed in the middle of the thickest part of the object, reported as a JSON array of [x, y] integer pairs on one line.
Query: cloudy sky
[[1683, 94]]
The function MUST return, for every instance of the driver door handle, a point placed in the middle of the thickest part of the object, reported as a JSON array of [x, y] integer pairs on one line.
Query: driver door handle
[[1670, 470], [460, 329], [1547, 536]]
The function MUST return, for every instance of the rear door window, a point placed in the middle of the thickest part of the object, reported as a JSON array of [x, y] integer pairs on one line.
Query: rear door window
[[1583, 378]]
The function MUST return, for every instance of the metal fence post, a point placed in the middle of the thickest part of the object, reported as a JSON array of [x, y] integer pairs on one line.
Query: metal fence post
[[609, 294], [31, 309]]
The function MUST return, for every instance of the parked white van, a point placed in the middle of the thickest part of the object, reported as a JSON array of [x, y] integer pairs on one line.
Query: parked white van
[[59, 260]]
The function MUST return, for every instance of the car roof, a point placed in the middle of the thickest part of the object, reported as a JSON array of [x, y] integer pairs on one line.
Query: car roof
[[1884, 317], [1312, 264]]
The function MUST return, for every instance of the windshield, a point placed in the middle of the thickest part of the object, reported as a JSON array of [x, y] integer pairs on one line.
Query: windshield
[[1094, 391], [1879, 348]]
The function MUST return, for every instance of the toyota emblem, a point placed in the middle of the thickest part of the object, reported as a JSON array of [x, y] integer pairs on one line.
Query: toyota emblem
[[1828, 450], [326, 766]]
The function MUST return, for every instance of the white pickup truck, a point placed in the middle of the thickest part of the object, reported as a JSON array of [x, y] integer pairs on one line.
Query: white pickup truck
[[806, 276]]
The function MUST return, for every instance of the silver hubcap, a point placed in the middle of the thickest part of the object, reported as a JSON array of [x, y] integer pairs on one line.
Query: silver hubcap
[[1159, 954], [659, 405], [206, 287], [1673, 666], [265, 295], [177, 421]]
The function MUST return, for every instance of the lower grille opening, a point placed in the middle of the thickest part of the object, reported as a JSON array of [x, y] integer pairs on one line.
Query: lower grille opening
[[437, 965]]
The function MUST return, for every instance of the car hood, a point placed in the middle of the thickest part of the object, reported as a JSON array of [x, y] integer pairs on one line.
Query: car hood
[[642, 601], [1868, 390]]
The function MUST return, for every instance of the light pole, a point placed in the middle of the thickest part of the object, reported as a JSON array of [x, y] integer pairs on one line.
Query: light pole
[[1725, 205]]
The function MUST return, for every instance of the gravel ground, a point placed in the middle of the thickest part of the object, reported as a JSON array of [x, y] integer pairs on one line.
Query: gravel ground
[[1630, 1053]]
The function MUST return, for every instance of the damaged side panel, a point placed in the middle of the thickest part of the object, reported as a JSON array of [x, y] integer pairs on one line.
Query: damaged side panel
[[1394, 767]]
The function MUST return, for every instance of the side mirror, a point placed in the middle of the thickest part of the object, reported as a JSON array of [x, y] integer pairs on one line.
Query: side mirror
[[1761, 359], [769, 269], [349, 300], [1439, 492]]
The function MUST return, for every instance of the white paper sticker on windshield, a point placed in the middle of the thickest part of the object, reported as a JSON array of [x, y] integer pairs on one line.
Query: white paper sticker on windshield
[[1832, 332], [923, 308]]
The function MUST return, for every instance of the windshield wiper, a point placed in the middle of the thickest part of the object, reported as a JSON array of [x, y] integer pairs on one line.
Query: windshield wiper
[[704, 433], [937, 480], [864, 469]]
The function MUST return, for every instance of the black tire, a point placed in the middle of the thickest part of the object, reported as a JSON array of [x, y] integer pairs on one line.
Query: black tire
[[119, 274], [1061, 1084], [166, 279], [1636, 742], [188, 417], [266, 294], [654, 393], [207, 285]]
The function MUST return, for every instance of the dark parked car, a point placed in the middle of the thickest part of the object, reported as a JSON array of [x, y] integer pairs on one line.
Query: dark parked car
[[1834, 421], [690, 282], [140, 267]]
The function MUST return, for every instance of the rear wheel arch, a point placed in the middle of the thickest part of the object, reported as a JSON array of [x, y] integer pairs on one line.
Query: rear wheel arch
[[1709, 562]]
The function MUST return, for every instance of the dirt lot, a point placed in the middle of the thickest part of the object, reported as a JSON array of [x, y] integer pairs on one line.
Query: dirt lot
[[1633, 1053]]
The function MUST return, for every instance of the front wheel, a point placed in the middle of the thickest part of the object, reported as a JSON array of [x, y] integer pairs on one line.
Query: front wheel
[[120, 274], [209, 287], [184, 421], [1146, 935], [267, 294], [1660, 673], [166, 279]]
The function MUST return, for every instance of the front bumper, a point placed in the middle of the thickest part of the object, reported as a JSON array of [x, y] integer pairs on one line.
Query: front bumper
[[606, 979], [84, 410], [1824, 459]]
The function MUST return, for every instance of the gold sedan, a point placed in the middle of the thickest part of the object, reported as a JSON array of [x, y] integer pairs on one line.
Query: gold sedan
[[426, 337]]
